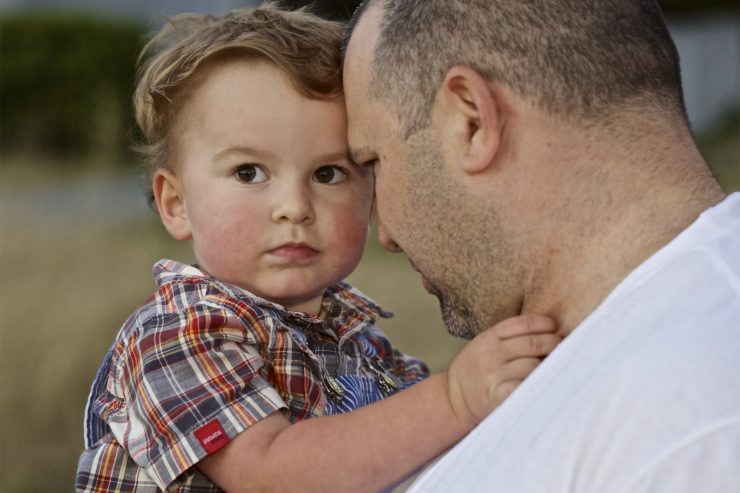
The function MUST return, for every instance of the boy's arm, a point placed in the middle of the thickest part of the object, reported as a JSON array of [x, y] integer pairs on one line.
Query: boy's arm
[[372, 447], [364, 450]]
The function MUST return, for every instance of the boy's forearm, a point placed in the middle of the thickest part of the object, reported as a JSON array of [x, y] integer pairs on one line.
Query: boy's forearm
[[364, 450]]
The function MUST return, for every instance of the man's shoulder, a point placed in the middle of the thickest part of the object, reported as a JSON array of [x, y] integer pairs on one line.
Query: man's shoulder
[[673, 328], [644, 386], [690, 288]]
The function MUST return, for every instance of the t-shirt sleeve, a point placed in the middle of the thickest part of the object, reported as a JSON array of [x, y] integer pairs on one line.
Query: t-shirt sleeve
[[705, 461], [189, 384]]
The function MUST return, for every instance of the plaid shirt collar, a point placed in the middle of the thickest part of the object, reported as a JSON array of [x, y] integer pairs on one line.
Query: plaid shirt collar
[[340, 300]]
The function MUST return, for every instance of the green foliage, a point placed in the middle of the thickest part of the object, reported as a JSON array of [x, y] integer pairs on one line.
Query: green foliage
[[721, 149], [66, 84]]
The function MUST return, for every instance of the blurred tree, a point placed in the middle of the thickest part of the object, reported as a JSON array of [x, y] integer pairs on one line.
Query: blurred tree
[[66, 83]]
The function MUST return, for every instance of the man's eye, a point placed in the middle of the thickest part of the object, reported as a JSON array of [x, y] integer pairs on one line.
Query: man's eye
[[250, 173], [372, 165], [329, 175]]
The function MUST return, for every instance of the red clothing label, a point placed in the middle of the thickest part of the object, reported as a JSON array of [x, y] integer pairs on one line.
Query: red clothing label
[[212, 436]]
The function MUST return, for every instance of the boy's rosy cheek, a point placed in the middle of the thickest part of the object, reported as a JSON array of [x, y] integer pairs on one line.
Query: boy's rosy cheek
[[223, 239], [352, 230], [240, 228]]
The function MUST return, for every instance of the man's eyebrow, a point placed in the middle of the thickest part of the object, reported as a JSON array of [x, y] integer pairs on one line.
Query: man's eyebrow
[[361, 155], [333, 156]]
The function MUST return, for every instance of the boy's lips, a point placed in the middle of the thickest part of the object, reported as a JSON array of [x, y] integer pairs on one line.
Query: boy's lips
[[294, 251]]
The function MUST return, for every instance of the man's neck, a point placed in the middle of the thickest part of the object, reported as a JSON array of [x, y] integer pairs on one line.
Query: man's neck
[[600, 232]]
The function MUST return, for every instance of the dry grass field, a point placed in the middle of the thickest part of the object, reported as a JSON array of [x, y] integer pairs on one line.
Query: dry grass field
[[75, 258]]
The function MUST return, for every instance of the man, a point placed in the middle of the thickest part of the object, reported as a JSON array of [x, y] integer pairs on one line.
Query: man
[[536, 157]]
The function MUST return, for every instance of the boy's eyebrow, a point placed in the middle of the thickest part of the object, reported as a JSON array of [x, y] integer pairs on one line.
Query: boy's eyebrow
[[262, 154], [252, 151]]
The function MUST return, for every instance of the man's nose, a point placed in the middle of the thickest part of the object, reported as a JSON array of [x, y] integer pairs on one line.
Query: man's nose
[[385, 239], [293, 205]]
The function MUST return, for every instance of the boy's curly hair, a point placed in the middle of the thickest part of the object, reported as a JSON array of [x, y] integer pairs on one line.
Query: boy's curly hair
[[304, 46]]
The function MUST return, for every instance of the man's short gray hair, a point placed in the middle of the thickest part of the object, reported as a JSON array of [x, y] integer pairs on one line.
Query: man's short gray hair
[[578, 59]]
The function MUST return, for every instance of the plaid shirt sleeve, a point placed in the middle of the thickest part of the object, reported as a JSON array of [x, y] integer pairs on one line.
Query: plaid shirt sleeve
[[185, 386], [107, 468]]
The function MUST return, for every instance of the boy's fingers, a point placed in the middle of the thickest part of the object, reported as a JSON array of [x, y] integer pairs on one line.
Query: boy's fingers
[[512, 374], [504, 389], [524, 324], [529, 345], [518, 369]]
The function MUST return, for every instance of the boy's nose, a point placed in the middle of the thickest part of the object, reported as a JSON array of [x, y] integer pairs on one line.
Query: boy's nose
[[295, 207]]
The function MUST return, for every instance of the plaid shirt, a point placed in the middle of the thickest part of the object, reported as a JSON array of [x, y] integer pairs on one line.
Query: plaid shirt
[[203, 360]]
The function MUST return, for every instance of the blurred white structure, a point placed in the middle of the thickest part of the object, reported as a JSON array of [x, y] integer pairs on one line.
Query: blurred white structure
[[709, 46]]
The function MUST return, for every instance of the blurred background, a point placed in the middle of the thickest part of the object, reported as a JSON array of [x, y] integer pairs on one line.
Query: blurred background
[[77, 240]]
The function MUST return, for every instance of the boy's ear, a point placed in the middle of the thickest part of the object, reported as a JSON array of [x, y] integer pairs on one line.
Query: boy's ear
[[471, 120], [170, 201]]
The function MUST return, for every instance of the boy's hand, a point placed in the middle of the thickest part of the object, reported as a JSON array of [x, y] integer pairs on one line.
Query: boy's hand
[[495, 362]]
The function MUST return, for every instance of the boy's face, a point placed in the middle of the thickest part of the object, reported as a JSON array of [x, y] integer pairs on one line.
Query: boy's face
[[270, 199]]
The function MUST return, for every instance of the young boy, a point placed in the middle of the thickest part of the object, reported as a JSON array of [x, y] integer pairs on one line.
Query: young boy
[[212, 380]]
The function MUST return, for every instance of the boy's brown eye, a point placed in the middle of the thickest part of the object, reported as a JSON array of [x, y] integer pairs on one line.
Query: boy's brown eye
[[329, 175], [249, 173]]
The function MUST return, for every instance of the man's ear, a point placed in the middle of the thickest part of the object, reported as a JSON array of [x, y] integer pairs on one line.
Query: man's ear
[[471, 119], [170, 200]]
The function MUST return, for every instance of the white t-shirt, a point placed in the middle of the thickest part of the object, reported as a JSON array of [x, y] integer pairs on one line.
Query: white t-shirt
[[644, 396]]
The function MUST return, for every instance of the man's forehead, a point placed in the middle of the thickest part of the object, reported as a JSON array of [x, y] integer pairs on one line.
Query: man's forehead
[[361, 45], [361, 107]]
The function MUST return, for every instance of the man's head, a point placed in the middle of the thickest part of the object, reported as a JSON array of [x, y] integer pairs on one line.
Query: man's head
[[443, 96], [577, 59]]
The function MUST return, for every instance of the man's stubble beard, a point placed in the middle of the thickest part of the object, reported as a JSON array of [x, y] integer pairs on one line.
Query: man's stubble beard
[[461, 248], [457, 316]]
